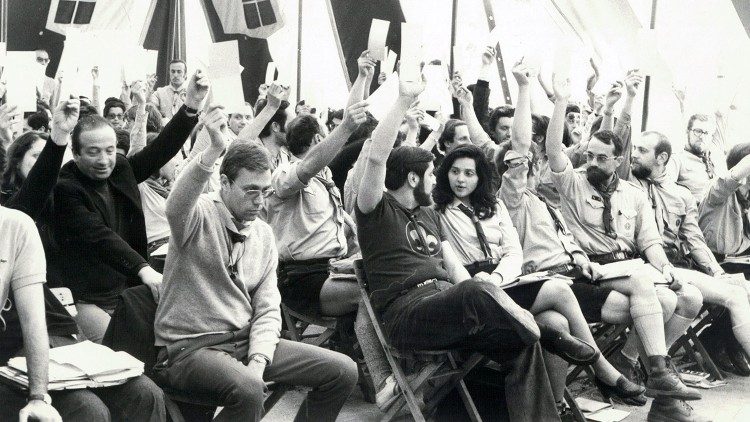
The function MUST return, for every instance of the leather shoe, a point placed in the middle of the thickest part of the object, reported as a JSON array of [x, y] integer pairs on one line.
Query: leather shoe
[[666, 383], [571, 349], [665, 409], [624, 391], [631, 372], [738, 358]]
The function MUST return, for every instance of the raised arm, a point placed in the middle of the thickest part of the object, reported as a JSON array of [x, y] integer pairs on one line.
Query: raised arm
[[274, 96], [181, 208], [173, 136], [622, 127], [613, 96], [478, 136], [591, 82], [558, 160], [482, 88], [521, 134], [95, 90], [138, 131], [413, 116], [37, 187], [366, 68], [383, 137], [724, 186]]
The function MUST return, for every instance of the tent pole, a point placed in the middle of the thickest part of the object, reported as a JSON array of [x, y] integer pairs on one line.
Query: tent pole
[[3, 20], [491, 22], [453, 36], [336, 38], [299, 49], [647, 84]]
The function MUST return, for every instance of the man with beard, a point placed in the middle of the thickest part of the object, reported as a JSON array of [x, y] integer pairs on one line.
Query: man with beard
[[168, 99], [424, 295], [612, 221], [696, 167]]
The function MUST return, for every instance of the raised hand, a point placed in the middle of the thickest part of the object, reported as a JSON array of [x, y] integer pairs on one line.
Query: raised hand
[[355, 115], [561, 87], [488, 56], [139, 92], [8, 114], [522, 72], [197, 90], [215, 121], [64, 120], [613, 95], [366, 65], [275, 94], [632, 82], [95, 73], [414, 115], [594, 77], [151, 80], [464, 96]]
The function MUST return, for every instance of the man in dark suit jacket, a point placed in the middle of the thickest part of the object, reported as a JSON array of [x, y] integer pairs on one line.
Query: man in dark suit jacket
[[98, 219]]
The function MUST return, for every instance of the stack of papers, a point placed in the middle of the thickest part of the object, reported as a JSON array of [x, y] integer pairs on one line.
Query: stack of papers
[[533, 278], [615, 270], [81, 365], [599, 411]]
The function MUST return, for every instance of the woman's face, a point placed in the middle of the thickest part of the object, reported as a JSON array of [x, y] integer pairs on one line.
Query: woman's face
[[30, 157], [463, 177]]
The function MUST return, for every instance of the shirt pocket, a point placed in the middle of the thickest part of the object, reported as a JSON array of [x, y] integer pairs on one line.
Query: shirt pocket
[[626, 222], [675, 215], [314, 201], [593, 212]]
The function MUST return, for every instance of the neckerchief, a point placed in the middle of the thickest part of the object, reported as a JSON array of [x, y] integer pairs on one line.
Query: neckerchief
[[706, 158], [483, 243], [158, 187], [606, 192]]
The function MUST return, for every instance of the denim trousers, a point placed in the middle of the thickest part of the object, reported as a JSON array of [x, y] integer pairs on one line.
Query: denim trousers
[[213, 376], [139, 399], [465, 316]]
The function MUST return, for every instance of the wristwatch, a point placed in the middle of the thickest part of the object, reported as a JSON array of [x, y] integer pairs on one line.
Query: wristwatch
[[191, 110], [43, 397], [259, 358]]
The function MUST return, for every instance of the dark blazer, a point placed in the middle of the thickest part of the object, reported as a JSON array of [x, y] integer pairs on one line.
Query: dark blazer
[[96, 262]]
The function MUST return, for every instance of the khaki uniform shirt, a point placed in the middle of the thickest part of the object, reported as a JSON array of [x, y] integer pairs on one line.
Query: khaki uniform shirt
[[544, 247], [582, 208], [677, 219], [499, 231], [168, 100], [307, 219], [721, 218], [688, 170]]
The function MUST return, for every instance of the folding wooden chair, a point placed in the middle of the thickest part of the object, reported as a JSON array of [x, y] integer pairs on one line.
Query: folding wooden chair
[[694, 350], [443, 372], [609, 338], [64, 295]]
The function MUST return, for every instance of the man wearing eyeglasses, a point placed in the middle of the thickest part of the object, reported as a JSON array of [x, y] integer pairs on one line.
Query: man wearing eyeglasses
[[47, 87], [612, 221], [218, 322], [700, 163]]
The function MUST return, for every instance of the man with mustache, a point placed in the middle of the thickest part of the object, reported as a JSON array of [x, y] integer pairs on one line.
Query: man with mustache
[[612, 221]]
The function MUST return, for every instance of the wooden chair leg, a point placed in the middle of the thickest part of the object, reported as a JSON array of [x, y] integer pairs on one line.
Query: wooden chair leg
[[577, 414], [709, 363]]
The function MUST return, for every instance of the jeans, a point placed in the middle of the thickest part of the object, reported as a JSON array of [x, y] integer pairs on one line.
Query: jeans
[[465, 316], [139, 399], [215, 377]]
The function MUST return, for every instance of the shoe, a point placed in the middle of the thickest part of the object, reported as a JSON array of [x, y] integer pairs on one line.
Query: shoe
[[666, 383], [564, 411], [623, 391], [390, 390], [673, 410], [571, 349], [738, 358], [520, 319], [631, 372], [716, 350]]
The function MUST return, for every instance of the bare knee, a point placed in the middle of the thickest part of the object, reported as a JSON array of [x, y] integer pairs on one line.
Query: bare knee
[[689, 301], [668, 301], [554, 320]]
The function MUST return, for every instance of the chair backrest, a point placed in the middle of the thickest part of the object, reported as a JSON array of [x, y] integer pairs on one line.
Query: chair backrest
[[65, 296], [359, 271]]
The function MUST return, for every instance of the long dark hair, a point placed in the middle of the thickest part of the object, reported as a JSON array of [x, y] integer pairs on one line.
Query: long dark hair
[[483, 199], [12, 177]]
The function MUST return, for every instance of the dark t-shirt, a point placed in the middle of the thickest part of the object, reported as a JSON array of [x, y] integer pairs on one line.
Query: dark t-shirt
[[395, 258]]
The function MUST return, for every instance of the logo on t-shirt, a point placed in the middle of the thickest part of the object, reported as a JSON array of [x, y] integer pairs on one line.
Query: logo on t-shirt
[[415, 242]]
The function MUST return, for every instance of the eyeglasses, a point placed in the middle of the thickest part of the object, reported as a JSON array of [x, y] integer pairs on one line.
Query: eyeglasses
[[255, 193], [115, 116], [600, 158], [699, 132], [42, 60]]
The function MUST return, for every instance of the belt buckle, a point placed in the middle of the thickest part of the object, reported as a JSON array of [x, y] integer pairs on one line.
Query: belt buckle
[[426, 282]]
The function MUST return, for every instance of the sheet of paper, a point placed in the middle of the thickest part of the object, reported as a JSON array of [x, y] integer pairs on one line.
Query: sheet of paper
[[618, 269], [436, 95], [431, 122], [21, 73], [143, 63], [270, 73], [94, 359], [608, 415], [411, 51], [590, 406], [389, 64], [227, 91], [376, 40], [563, 60], [384, 97], [224, 59], [161, 250]]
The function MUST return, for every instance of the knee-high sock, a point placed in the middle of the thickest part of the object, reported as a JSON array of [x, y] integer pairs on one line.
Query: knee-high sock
[[648, 323], [676, 327], [373, 353]]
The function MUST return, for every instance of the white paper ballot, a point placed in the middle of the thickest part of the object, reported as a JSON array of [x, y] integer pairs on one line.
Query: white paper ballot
[[384, 97], [227, 91], [21, 73], [224, 59], [389, 64], [376, 41], [435, 95], [411, 51], [271, 73]]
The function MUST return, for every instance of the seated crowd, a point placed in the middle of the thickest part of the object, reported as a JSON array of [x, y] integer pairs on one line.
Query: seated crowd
[[248, 203]]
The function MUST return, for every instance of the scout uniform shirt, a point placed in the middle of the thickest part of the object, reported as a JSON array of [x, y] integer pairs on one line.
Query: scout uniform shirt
[[545, 245], [690, 171], [582, 208], [307, 219], [677, 219], [721, 218]]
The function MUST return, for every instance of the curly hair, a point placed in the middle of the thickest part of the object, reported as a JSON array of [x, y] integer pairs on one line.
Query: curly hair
[[12, 177], [482, 199]]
